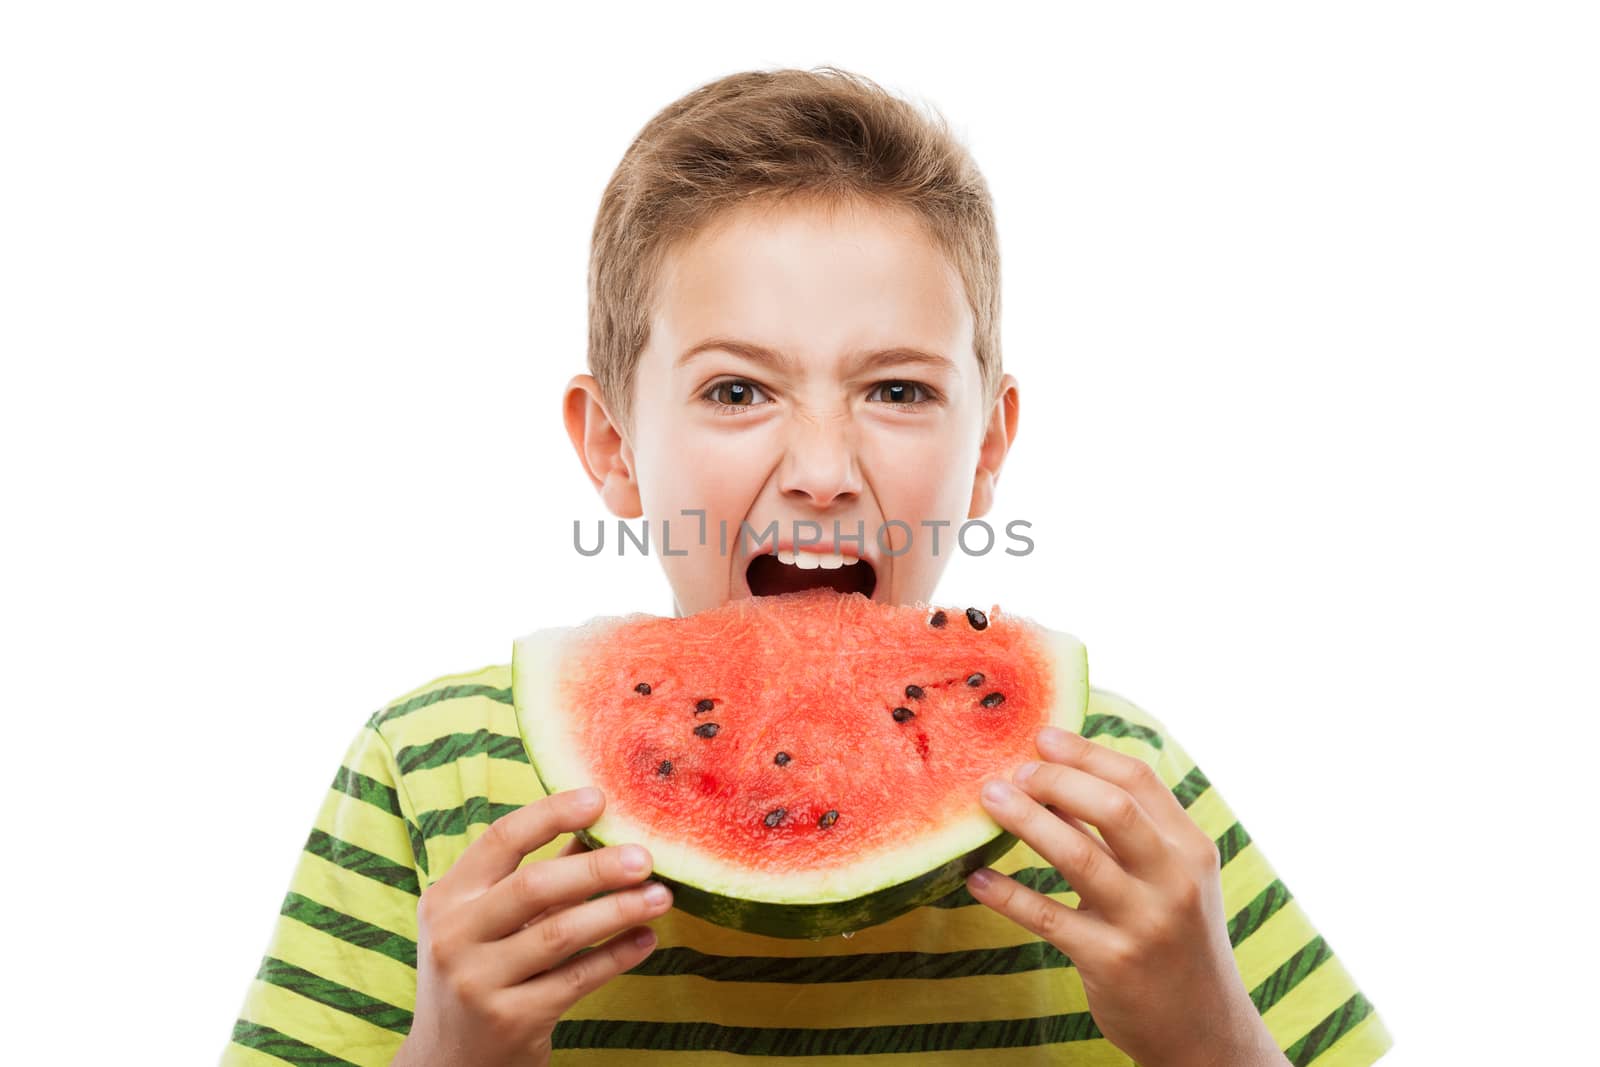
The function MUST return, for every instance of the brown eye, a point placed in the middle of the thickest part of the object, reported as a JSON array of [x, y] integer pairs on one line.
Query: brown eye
[[902, 392], [736, 393]]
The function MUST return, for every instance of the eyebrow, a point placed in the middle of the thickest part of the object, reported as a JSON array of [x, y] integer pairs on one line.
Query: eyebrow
[[865, 361]]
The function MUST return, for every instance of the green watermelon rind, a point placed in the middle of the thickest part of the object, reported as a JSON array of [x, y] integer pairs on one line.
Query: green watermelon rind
[[826, 918], [972, 842]]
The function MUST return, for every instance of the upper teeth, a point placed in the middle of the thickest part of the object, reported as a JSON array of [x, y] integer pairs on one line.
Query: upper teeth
[[810, 561]]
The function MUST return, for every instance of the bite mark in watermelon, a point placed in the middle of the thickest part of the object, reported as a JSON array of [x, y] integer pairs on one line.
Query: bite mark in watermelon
[[797, 765]]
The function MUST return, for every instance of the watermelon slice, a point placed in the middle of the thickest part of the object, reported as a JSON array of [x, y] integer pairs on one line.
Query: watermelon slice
[[798, 765]]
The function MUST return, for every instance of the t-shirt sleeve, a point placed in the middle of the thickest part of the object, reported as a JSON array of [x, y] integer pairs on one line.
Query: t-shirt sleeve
[[1307, 998], [338, 981]]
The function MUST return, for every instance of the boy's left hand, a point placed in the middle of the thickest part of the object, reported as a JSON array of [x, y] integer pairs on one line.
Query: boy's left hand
[[1149, 937]]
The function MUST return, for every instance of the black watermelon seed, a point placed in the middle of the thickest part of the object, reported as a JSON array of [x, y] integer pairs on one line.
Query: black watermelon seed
[[828, 819], [937, 620], [781, 759], [914, 692], [665, 768], [775, 816], [903, 714], [703, 705], [974, 680], [643, 689], [977, 618], [992, 699], [707, 729]]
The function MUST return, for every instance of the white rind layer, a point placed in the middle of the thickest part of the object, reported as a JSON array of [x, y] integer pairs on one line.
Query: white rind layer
[[552, 747]]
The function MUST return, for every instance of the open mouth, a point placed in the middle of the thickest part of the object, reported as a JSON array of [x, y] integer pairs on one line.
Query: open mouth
[[790, 572]]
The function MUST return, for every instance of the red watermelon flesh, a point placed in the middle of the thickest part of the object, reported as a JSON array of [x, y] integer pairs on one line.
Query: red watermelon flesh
[[787, 747], [828, 706]]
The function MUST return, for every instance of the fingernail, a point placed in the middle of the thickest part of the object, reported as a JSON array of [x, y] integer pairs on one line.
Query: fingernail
[[657, 895], [644, 938], [1053, 736], [587, 797], [996, 792], [981, 877], [634, 859], [1025, 771]]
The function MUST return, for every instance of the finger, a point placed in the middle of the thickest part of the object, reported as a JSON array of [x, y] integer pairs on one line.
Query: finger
[[573, 847], [1134, 775], [555, 882], [1096, 875], [1083, 828], [509, 839], [551, 994], [1132, 834], [544, 945], [1068, 929]]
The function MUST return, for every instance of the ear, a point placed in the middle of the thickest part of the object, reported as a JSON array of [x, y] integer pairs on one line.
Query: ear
[[999, 432], [606, 456]]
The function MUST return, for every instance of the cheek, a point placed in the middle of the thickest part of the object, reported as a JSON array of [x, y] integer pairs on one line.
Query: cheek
[[927, 477], [698, 468], [693, 472]]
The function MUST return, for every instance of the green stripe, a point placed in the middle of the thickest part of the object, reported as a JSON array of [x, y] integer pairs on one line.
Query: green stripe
[[277, 1043], [385, 798], [451, 747], [444, 821], [358, 860], [830, 1041], [1278, 984], [1033, 955], [419, 846], [1192, 787], [436, 696], [1232, 842], [380, 795], [1342, 1020], [326, 991], [878, 966], [350, 929], [1266, 904], [1117, 726]]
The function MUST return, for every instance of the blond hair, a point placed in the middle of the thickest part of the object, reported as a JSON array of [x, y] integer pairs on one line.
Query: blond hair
[[821, 133]]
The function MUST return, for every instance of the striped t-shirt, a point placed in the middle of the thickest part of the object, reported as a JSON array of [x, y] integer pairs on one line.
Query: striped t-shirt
[[428, 773]]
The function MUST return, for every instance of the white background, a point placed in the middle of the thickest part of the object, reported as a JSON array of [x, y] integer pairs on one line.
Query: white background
[[1303, 301]]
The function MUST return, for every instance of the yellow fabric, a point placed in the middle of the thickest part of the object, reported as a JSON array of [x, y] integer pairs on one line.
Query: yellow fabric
[[425, 777]]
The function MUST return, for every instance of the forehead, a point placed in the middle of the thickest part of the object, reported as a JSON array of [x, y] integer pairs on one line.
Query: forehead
[[814, 278]]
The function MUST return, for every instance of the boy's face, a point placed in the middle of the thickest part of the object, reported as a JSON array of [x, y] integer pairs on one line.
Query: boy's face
[[828, 425]]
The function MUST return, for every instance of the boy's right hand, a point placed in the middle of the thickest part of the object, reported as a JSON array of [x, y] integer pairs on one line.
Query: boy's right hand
[[493, 975]]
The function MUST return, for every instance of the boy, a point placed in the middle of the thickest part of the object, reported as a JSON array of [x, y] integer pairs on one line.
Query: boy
[[794, 317]]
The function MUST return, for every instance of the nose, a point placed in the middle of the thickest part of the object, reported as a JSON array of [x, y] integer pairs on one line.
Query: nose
[[819, 463]]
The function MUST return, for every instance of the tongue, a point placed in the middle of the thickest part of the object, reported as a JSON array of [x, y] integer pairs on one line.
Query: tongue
[[768, 576]]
